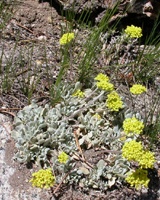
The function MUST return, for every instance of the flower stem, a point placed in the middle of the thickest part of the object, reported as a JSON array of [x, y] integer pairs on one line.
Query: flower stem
[[81, 109]]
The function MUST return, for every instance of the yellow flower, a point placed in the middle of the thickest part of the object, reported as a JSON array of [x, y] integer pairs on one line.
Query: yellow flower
[[138, 178], [97, 116], [101, 77], [147, 159], [133, 31], [104, 85], [103, 82], [132, 150], [43, 178], [132, 125], [63, 157], [123, 137], [137, 89], [78, 93], [66, 38], [114, 101]]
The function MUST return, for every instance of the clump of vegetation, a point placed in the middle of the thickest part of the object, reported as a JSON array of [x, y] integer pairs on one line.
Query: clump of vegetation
[[76, 124]]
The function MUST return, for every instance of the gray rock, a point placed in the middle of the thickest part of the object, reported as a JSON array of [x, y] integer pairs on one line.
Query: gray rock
[[148, 8]]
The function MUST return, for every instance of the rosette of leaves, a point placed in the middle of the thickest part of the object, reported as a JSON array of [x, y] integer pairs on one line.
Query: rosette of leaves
[[38, 131]]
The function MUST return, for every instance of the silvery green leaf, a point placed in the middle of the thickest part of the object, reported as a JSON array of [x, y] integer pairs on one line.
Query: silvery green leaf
[[39, 136], [95, 142], [84, 170], [116, 129], [79, 172], [34, 147], [42, 126], [138, 116], [81, 141], [90, 134], [21, 141], [78, 86], [111, 181], [81, 126], [129, 115], [20, 158], [20, 115], [44, 112], [17, 121], [100, 164], [58, 107], [47, 142], [41, 141], [27, 109], [50, 129], [33, 139], [109, 176], [15, 134], [99, 172]]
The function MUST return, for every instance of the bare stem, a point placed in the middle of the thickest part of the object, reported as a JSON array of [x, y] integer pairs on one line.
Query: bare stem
[[81, 109], [71, 60], [61, 182]]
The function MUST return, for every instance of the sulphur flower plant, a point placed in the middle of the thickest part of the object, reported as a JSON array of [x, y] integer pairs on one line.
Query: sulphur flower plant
[[133, 31], [43, 179], [137, 89], [63, 157], [132, 125], [66, 38]]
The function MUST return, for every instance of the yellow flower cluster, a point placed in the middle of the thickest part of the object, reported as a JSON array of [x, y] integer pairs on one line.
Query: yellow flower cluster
[[114, 101], [133, 31], [138, 178], [101, 77], [103, 82], [78, 93], [66, 38], [97, 116], [132, 125], [134, 151], [63, 157], [137, 89], [43, 178], [147, 160]]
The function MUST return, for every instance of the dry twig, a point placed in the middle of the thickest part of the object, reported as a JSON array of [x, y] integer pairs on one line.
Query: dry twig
[[26, 29], [77, 132], [3, 111], [61, 182]]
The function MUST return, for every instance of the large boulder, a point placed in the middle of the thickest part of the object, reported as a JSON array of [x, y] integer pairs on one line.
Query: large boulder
[[147, 8]]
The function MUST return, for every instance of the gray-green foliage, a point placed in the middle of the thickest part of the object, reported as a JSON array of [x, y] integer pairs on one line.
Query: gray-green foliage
[[40, 133], [105, 175]]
